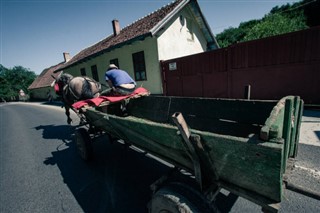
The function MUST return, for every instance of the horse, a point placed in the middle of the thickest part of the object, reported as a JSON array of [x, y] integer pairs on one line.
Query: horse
[[72, 89]]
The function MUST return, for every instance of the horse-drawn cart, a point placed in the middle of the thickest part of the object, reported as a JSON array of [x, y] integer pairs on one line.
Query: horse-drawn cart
[[243, 146]]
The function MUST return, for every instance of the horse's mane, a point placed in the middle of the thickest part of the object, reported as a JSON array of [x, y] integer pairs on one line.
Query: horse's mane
[[65, 78], [86, 90]]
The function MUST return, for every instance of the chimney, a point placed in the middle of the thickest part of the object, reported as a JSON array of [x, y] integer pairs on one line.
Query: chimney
[[116, 27], [66, 57]]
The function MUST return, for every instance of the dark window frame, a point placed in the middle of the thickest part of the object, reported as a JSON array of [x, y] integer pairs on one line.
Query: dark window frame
[[115, 61], [83, 72], [94, 72], [139, 66]]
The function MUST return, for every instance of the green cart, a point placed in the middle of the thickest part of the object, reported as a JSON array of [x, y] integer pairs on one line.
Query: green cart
[[243, 146]]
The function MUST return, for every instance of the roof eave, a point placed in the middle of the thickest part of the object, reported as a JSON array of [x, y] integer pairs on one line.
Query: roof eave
[[207, 26], [210, 37], [168, 17], [137, 38]]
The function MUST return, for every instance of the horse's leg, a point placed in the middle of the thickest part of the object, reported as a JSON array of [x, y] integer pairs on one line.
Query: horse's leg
[[66, 101], [69, 120]]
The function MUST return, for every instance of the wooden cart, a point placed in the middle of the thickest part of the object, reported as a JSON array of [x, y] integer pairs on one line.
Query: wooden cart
[[243, 146]]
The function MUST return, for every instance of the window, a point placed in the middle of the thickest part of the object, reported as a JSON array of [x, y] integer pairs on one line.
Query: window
[[83, 71], [139, 66], [94, 71], [115, 62]]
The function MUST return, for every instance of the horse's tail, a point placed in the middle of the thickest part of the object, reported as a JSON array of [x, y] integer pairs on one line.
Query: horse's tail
[[86, 90]]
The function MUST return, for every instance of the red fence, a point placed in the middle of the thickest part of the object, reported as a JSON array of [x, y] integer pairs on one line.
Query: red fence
[[287, 64]]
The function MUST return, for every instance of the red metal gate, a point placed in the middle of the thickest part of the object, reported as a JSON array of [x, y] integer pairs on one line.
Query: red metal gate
[[287, 64]]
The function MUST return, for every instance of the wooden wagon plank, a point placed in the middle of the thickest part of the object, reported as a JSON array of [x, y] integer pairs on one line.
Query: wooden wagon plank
[[228, 131], [237, 160]]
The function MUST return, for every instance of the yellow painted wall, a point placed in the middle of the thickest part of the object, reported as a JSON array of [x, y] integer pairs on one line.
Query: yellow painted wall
[[124, 56], [42, 93]]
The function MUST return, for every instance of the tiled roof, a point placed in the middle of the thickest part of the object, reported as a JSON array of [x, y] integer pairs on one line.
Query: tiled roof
[[140, 28], [45, 79]]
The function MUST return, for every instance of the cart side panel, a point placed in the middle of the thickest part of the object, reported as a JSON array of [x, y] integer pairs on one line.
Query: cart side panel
[[239, 161], [242, 162], [159, 139], [160, 109], [255, 164], [284, 123], [210, 115], [240, 111], [255, 167]]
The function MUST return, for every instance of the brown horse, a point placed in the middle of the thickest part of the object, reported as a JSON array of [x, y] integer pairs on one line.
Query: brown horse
[[73, 89]]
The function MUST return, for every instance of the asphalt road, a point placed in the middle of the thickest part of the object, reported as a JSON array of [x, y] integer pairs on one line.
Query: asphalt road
[[40, 170]]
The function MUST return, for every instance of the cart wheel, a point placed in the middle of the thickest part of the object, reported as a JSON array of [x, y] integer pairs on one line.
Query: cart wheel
[[178, 199], [83, 143]]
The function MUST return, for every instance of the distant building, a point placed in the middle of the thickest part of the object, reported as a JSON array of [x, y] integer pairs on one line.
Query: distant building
[[175, 30], [41, 89]]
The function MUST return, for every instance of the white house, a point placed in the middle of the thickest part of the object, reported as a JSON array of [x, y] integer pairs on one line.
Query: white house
[[175, 30]]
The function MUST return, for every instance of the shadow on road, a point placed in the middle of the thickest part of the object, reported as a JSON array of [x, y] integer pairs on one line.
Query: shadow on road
[[61, 132], [117, 180]]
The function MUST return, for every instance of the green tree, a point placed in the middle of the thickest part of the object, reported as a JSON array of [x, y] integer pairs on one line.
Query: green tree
[[5, 89], [275, 24], [235, 35], [228, 37], [281, 19], [311, 12], [13, 80]]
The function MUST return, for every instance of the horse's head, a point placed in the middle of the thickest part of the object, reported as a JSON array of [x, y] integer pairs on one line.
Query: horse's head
[[60, 81]]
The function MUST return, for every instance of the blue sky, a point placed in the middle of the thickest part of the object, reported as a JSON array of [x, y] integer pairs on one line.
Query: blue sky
[[35, 33]]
